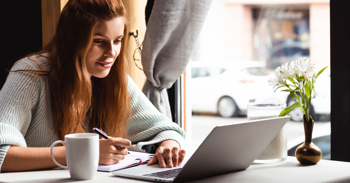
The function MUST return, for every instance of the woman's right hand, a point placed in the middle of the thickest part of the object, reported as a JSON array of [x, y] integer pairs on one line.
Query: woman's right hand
[[112, 150]]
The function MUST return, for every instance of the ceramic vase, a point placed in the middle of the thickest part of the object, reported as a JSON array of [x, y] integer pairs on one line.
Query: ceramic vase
[[308, 153]]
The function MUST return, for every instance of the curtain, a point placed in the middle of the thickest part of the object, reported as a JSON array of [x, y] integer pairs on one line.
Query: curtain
[[172, 30]]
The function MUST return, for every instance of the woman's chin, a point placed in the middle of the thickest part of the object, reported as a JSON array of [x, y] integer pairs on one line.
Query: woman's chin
[[101, 74]]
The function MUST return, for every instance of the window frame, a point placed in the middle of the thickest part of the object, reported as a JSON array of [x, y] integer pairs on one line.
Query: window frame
[[340, 57]]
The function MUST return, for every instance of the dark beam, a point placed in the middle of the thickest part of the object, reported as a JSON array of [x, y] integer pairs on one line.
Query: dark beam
[[340, 58]]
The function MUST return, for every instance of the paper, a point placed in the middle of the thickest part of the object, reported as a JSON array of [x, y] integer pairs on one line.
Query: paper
[[132, 159]]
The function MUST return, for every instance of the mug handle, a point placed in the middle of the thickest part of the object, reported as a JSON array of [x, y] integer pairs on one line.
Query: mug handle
[[53, 158]]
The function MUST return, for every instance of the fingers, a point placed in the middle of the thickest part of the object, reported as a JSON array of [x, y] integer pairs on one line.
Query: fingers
[[110, 159], [110, 145], [182, 155], [168, 157], [113, 150], [175, 158], [153, 160], [160, 156], [119, 142], [118, 145]]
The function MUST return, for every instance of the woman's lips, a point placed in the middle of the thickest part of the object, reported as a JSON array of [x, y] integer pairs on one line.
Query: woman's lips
[[105, 64]]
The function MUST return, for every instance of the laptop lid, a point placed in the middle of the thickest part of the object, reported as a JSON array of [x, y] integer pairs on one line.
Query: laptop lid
[[227, 148]]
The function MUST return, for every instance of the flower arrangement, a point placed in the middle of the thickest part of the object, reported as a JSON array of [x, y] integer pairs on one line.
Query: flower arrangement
[[297, 77]]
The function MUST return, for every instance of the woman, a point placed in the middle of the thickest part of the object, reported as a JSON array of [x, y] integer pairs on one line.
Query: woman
[[77, 82]]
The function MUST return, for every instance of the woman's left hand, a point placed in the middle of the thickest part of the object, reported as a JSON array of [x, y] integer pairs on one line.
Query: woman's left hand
[[168, 155]]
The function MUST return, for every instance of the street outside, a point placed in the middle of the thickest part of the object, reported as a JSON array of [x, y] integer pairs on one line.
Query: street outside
[[203, 124]]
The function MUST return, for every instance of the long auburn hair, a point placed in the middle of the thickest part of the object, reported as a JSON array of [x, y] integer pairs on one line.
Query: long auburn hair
[[75, 97]]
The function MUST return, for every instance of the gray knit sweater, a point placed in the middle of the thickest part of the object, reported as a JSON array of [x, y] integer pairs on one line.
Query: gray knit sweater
[[26, 119]]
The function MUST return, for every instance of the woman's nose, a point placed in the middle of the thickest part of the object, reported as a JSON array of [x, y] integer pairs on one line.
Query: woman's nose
[[110, 51]]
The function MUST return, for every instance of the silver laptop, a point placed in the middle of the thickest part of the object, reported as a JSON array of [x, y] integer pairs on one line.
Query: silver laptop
[[228, 148]]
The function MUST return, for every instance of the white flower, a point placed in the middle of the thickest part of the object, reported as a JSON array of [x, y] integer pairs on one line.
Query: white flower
[[304, 67], [276, 78], [288, 70], [296, 76]]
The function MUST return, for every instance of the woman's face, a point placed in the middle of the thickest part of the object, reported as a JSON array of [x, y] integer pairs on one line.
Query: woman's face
[[105, 47]]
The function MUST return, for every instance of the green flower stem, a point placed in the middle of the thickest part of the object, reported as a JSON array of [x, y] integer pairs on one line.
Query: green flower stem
[[303, 101], [307, 114], [307, 110], [301, 96]]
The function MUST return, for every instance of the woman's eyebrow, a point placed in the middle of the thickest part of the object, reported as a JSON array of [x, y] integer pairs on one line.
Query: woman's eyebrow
[[107, 36]]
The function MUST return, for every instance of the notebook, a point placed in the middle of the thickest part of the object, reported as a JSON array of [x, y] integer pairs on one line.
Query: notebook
[[132, 159], [228, 148]]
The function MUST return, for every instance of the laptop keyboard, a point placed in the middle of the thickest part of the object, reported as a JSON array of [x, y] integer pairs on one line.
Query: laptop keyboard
[[165, 174]]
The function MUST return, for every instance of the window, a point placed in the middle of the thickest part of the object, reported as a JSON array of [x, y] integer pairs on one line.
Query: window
[[258, 71], [252, 39], [206, 72]]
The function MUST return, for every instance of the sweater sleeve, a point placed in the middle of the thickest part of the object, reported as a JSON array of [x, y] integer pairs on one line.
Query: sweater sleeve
[[147, 126], [18, 98]]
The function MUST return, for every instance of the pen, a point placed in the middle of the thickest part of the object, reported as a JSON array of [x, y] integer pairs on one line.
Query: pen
[[100, 132], [104, 135]]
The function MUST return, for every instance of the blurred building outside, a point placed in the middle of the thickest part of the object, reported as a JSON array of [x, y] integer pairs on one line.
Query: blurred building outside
[[271, 31]]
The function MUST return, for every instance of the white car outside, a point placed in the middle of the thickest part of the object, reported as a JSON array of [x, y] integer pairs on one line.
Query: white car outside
[[226, 87]]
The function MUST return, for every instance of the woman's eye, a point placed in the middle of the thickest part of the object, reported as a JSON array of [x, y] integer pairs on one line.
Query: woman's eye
[[118, 41], [98, 41]]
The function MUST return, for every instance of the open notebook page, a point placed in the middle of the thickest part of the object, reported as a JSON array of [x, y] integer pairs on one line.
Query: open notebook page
[[132, 159]]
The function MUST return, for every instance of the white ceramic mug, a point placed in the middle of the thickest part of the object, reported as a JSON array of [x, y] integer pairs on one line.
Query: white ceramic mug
[[82, 155]]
